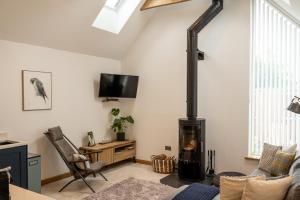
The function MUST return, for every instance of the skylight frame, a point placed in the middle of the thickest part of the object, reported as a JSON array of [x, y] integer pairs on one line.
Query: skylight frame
[[115, 5], [114, 18]]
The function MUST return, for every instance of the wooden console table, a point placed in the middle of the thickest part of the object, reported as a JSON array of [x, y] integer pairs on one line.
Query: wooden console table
[[113, 152]]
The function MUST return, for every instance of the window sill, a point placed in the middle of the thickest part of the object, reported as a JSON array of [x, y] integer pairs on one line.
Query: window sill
[[252, 157]]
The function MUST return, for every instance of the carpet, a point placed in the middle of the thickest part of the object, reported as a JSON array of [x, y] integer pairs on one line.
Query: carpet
[[133, 189]]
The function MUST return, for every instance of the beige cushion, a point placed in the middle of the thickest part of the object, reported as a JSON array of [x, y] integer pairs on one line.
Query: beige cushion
[[264, 190], [290, 149], [80, 165], [231, 188], [268, 156]]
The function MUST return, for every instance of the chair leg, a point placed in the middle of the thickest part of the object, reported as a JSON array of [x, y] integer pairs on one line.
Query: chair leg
[[87, 183], [102, 176], [67, 184]]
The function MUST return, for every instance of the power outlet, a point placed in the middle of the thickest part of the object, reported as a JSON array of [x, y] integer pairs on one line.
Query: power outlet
[[168, 148]]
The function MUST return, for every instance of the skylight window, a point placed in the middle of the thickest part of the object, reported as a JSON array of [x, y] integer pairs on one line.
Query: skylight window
[[115, 14]]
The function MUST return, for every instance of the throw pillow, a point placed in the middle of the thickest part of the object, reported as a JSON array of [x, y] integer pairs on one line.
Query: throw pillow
[[267, 157], [290, 149], [80, 165], [231, 188], [282, 163], [263, 190]]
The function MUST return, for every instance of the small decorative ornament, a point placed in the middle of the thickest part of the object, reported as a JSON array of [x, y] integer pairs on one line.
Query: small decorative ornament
[[37, 90], [91, 139]]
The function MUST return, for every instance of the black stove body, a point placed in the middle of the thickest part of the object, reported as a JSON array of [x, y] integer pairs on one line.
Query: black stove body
[[191, 162]]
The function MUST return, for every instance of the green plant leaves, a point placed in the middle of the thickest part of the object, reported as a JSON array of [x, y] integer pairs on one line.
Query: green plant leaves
[[119, 122], [130, 119], [115, 111]]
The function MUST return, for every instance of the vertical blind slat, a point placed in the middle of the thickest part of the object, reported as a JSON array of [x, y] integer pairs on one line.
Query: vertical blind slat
[[274, 76]]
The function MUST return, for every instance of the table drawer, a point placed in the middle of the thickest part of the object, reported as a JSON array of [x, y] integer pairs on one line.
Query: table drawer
[[123, 155]]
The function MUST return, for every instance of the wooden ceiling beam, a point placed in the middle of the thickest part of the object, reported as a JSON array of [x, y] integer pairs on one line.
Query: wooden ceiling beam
[[157, 3]]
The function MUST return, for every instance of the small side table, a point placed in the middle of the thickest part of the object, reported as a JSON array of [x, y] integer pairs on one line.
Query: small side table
[[216, 179], [207, 181]]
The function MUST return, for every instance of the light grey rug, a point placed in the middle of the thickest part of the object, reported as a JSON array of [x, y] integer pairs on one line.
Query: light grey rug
[[133, 189]]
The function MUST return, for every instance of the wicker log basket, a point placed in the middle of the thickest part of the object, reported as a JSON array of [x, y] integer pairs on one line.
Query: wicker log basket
[[163, 164]]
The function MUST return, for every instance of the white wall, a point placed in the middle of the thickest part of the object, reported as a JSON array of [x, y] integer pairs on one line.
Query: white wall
[[159, 58], [76, 106]]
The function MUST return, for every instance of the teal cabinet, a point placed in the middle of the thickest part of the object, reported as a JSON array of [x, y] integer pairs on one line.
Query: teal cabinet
[[34, 172]]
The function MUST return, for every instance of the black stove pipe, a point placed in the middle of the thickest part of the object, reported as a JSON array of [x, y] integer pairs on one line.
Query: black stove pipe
[[192, 55]]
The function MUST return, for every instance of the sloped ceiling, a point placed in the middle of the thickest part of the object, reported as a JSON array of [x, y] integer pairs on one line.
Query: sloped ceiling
[[66, 25], [291, 6]]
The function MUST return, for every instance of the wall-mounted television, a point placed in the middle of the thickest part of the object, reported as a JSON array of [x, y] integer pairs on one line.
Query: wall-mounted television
[[118, 86]]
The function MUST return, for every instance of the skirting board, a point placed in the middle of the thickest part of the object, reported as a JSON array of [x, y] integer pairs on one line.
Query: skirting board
[[56, 178], [67, 175], [145, 162]]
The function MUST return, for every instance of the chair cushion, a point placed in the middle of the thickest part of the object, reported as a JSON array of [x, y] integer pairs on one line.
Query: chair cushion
[[55, 133], [263, 190], [282, 163], [268, 156]]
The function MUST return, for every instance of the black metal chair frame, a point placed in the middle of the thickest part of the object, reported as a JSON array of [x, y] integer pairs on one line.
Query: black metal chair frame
[[75, 171]]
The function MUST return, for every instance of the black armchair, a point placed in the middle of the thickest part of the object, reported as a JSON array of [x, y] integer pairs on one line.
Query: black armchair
[[66, 150]]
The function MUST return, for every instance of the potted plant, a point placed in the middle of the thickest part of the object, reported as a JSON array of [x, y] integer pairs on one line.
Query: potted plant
[[119, 123]]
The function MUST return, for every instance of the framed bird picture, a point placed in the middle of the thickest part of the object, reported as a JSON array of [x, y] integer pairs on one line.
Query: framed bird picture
[[37, 90]]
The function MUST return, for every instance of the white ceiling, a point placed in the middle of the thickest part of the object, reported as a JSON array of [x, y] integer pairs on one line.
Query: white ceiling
[[66, 25], [291, 6]]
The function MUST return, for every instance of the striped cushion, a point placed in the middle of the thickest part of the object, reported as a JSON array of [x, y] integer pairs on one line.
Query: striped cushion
[[268, 156], [282, 163]]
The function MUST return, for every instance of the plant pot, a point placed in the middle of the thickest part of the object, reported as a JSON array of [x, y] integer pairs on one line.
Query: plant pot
[[121, 136]]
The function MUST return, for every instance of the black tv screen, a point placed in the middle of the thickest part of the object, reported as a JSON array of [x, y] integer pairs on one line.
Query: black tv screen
[[120, 86]]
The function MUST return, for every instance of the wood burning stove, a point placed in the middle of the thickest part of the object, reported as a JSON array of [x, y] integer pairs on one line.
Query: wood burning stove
[[191, 161]]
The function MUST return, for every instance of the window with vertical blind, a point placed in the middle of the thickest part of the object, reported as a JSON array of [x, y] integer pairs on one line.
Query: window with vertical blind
[[274, 76]]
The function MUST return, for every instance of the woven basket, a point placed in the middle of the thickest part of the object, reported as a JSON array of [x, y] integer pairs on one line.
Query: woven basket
[[163, 164]]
